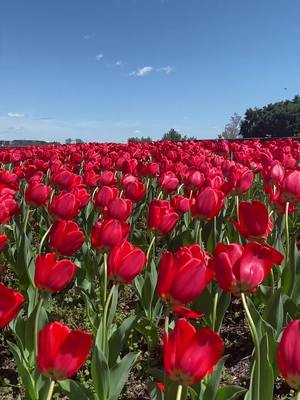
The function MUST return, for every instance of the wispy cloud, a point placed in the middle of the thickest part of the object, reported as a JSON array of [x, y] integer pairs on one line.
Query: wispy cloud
[[168, 69], [118, 63], [99, 56], [142, 71], [15, 115]]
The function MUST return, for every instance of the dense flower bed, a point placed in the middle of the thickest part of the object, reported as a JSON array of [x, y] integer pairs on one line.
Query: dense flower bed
[[188, 226]]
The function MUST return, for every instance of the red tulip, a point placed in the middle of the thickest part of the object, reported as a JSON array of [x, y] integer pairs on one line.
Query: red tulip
[[109, 234], [66, 237], [289, 355], [291, 186], [119, 209], [82, 195], [134, 191], [10, 304], [169, 182], [52, 275], [107, 178], [3, 241], [184, 275], [65, 206], [62, 351], [208, 203], [253, 220], [162, 217], [241, 269], [194, 179], [104, 196], [181, 204], [37, 194], [65, 179], [190, 354], [125, 262]]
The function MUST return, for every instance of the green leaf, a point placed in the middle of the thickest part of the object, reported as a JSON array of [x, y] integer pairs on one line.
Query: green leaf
[[119, 338], [223, 304], [100, 374], [119, 375], [213, 380], [273, 313], [24, 373], [230, 392], [75, 390]]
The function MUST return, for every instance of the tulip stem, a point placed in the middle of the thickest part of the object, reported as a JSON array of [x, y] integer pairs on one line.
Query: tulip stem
[[26, 219], [179, 392], [237, 205], [36, 326], [44, 238], [255, 341], [167, 324], [287, 233], [214, 316], [298, 396], [105, 312], [150, 247], [105, 277], [51, 389]]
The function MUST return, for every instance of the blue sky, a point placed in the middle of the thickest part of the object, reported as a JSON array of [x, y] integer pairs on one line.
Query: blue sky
[[106, 70]]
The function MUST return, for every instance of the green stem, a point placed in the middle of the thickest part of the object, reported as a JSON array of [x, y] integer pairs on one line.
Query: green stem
[[36, 326], [51, 389], [26, 219], [255, 341], [159, 195], [237, 205], [287, 256], [167, 324], [214, 316], [44, 238], [272, 281], [105, 277], [179, 392], [150, 247], [298, 396], [105, 312]]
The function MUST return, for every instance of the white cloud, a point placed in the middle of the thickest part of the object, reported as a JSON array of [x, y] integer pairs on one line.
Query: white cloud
[[137, 131], [142, 71], [99, 56], [168, 69], [15, 115], [118, 63]]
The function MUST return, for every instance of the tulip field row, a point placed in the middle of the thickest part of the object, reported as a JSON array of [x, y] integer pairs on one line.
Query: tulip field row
[[159, 246]]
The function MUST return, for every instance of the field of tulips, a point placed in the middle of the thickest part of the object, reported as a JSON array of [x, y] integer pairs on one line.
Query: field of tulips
[[160, 271]]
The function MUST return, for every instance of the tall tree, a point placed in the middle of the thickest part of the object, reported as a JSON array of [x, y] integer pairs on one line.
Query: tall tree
[[281, 119], [232, 129]]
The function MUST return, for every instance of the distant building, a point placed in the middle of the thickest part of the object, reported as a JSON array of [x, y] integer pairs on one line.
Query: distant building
[[73, 141]]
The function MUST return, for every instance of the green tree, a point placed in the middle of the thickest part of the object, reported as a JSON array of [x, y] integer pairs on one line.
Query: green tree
[[281, 119], [141, 139], [172, 135]]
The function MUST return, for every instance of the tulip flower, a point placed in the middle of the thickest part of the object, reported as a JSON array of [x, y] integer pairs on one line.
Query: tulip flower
[[194, 179], [3, 241], [181, 204], [65, 179], [289, 355], [65, 206], [107, 178], [162, 217], [241, 269], [125, 262], [10, 304], [190, 354], [207, 204], [52, 275], [169, 182], [109, 234], [104, 196], [134, 191], [119, 209], [253, 220], [184, 275], [62, 351], [37, 194], [65, 237], [291, 187]]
